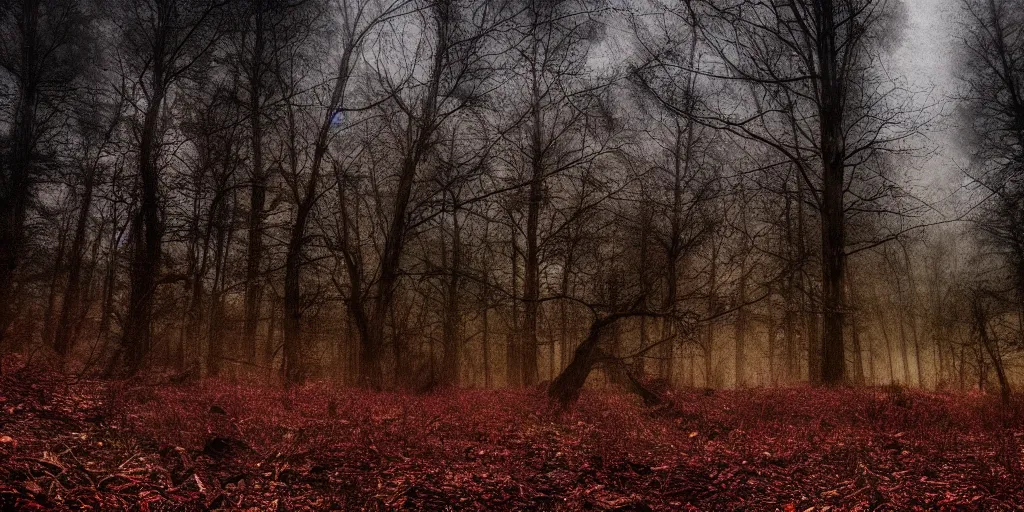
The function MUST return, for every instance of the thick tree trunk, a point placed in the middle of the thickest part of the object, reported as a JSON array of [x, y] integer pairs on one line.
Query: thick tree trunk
[[567, 386], [833, 249], [147, 231], [293, 364], [257, 188]]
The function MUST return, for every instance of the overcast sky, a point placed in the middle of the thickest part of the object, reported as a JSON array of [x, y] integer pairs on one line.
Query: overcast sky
[[926, 59]]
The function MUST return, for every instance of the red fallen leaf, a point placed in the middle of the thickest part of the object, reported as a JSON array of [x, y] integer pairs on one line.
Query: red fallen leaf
[[819, 440], [32, 487], [23, 504]]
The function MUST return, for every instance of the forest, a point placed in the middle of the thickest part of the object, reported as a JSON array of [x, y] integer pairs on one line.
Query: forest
[[511, 254]]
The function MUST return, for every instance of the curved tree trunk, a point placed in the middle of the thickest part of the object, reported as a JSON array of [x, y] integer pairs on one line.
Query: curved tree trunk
[[567, 386]]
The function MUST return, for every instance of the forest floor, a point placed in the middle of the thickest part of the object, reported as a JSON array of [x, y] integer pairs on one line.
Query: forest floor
[[215, 445]]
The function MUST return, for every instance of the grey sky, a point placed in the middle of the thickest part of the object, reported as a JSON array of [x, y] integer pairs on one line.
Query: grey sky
[[926, 59]]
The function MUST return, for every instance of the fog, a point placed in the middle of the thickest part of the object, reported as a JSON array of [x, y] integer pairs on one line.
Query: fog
[[406, 194]]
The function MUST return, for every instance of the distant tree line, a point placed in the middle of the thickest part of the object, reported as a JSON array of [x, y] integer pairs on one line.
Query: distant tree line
[[411, 193]]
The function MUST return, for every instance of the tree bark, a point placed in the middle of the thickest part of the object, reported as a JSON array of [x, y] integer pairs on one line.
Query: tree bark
[[833, 367], [257, 189], [147, 229]]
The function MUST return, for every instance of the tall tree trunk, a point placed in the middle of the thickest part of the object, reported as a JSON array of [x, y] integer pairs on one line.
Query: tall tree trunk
[[215, 335], [422, 127], [147, 231], [64, 339], [858, 356], [257, 189], [485, 340], [513, 354], [741, 330], [989, 346], [56, 287], [254, 253], [451, 340], [293, 363], [790, 289], [682, 162], [709, 332], [370, 366], [109, 280], [833, 249], [531, 281]]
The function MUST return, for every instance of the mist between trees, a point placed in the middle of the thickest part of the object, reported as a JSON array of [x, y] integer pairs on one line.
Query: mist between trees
[[399, 193]]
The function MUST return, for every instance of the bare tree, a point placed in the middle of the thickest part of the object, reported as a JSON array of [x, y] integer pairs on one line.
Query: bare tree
[[820, 100], [162, 42], [45, 47], [357, 20], [100, 122]]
